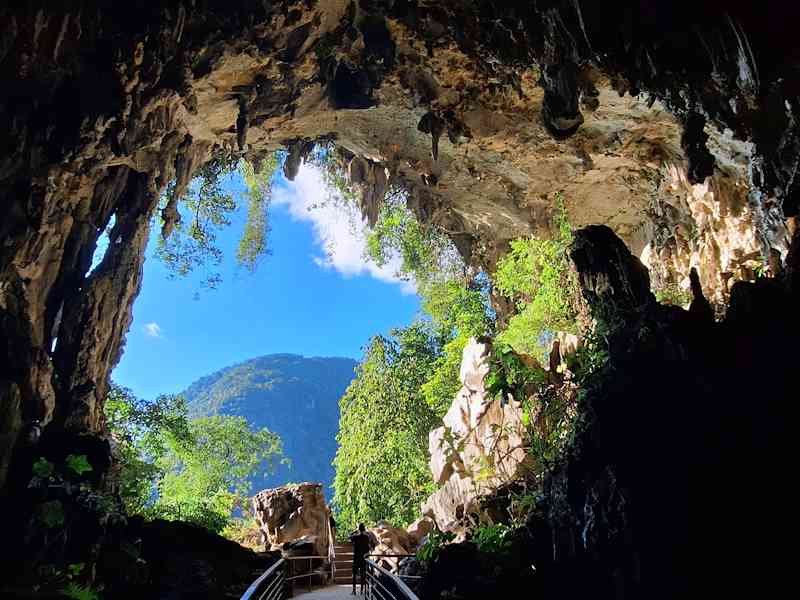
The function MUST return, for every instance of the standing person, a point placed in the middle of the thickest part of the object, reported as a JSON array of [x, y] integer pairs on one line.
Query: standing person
[[361, 547]]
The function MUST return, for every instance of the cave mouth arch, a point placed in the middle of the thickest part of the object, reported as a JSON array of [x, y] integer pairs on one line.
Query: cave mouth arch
[[480, 110], [479, 115]]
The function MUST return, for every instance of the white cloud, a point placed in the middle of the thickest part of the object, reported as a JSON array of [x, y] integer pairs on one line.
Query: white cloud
[[153, 330], [338, 229]]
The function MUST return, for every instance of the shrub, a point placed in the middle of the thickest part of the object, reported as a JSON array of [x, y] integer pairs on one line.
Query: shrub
[[434, 542], [493, 539]]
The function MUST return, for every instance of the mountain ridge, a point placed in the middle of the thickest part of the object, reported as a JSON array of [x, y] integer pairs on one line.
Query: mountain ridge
[[295, 396]]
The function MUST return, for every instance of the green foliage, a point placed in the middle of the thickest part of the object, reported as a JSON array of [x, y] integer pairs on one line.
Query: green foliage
[[672, 293], [175, 468], [75, 569], [51, 513], [493, 539], [78, 464], [206, 208], [253, 243], [457, 312], [456, 307], [382, 461], [425, 252], [434, 542], [230, 384], [143, 431], [443, 383], [302, 395], [536, 276], [77, 591], [43, 468], [520, 506], [590, 357], [204, 480], [510, 375]]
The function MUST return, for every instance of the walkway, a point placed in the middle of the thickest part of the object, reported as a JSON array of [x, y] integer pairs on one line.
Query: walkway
[[332, 592]]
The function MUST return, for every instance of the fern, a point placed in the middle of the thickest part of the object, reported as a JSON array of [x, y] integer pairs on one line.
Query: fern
[[77, 591]]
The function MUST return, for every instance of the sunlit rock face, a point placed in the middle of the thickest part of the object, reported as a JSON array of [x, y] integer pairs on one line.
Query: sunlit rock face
[[708, 226], [294, 513], [395, 542], [479, 447]]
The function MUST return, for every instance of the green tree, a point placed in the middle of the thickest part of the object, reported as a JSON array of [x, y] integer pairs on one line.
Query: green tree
[[171, 467], [455, 300], [141, 431], [258, 186], [457, 311], [535, 274], [425, 252], [205, 480], [205, 209], [382, 462]]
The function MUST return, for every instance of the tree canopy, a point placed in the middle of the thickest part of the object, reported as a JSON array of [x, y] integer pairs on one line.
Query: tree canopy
[[382, 461], [173, 467]]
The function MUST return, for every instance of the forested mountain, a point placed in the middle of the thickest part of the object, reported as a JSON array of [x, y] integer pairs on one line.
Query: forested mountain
[[293, 396]]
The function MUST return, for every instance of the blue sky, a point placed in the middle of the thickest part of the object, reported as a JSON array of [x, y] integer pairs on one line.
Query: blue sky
[[314, 295]]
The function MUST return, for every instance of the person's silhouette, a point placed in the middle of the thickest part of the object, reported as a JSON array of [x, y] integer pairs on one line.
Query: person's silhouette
[[361, 547]]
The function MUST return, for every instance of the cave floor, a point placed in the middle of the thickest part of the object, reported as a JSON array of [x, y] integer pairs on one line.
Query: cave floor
[[332, 592]]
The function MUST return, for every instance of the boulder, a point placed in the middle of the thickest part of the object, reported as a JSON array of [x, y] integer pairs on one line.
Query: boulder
[[294, 512], [419, 529], [391, 541], [479, 447]]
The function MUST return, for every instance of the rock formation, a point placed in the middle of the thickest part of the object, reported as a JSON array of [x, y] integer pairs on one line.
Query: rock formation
[[294, 513], [676, 426], [395, 542], [641, 505], [480, 446]]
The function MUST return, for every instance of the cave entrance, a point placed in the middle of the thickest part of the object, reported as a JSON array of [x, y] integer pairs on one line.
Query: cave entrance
[[665, 129], [257, 303]]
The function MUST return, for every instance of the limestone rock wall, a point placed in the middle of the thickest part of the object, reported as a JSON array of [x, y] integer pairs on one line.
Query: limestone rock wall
[[708, 226], [480, 446], [294, 513]]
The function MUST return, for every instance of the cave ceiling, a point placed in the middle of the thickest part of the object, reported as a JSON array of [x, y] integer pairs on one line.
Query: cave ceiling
[[672, 122]]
